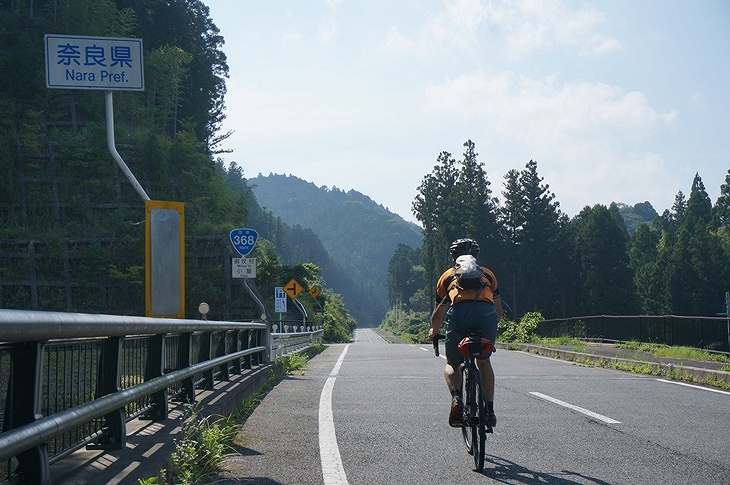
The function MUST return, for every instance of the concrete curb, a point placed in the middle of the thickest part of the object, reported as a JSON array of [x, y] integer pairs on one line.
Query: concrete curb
[[668, 370]]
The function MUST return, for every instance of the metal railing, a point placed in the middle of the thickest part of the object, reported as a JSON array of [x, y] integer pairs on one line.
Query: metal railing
[[70, 380], [710, 333]]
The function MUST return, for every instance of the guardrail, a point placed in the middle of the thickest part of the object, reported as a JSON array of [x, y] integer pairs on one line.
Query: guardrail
[[709, 333], [283, 343], [71, 380]]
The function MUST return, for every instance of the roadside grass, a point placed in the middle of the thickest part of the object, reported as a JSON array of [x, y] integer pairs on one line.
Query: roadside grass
[[635, 361], [667, 351], [205, 441], [576, 345]]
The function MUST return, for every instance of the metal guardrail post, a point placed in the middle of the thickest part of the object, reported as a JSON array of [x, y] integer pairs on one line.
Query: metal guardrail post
[[108, 378], [155, 368], [185, 350], [24, 407], [236, 346], [220, 351], [246, 344], [204, 353]]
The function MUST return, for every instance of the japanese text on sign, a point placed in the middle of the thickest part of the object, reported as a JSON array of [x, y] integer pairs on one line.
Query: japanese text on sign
[[279, 300], [79, 62], [243, 267]]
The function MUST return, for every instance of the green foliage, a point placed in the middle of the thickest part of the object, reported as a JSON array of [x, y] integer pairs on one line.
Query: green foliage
[[200, 449], [522, 331], [405, 276], [675, 352], [600, 249], [292, 362], [337, 322], [408, 325]]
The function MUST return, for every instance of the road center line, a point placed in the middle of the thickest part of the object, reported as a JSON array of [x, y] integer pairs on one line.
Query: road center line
[[576, 408], [332, 469]]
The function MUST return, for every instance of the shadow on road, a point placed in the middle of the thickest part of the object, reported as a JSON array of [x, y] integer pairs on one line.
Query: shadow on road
[[506, 471]]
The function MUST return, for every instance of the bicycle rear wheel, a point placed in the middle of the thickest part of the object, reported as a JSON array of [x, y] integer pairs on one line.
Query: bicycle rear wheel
[[479, 423], [467, 393]]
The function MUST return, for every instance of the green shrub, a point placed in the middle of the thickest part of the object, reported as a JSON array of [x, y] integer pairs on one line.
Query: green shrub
[[201, 448], [522, 331]]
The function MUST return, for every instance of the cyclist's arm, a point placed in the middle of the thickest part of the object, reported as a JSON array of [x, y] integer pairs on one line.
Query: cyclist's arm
[[498, 305], [436, 320]]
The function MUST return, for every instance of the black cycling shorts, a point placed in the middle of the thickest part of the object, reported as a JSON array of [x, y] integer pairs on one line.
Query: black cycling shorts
[[467, 316]]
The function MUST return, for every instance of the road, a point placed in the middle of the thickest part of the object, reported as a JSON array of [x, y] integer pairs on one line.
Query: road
[[370, 412]]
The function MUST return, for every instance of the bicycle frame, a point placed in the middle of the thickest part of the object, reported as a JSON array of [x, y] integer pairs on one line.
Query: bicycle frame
[[474, 428]]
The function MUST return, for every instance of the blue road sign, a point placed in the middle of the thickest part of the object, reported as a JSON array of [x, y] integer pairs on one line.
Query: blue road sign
[[82, 62], [243, 240]]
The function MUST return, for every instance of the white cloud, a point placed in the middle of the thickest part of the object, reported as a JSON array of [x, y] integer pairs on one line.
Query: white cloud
[[516, 29], [539, 25], [329, 30], [536, 111], [579, 132]]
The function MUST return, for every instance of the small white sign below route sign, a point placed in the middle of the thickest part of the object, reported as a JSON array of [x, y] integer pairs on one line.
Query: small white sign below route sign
[[81, 62], [243, 267]]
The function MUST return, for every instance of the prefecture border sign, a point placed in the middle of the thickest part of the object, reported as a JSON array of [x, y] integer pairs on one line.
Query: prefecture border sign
[[80, 62]]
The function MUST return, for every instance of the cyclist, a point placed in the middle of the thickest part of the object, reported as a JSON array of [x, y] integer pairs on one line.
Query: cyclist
[[468, 309]]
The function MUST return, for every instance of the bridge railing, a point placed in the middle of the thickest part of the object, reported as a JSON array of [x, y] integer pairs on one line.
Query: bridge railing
[[71, 380]]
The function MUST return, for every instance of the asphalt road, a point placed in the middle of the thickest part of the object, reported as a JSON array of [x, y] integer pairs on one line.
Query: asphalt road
[[370, 412]]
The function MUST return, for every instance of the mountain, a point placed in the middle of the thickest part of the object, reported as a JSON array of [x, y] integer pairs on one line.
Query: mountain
[[359, 234], [634, 216]]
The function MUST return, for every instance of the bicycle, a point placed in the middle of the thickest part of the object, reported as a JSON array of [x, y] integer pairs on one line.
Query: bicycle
[[474, 426]]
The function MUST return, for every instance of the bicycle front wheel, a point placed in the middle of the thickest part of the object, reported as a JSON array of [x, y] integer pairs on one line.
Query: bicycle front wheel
[[479, 422]]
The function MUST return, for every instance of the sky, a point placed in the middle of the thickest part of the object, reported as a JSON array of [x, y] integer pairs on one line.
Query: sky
[[622, 100]]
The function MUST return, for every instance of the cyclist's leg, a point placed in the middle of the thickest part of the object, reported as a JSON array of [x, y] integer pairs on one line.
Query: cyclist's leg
[[487, 324], [452, 374], [487, 374], [454, 334]]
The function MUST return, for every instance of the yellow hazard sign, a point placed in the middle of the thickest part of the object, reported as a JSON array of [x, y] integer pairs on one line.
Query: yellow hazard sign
[[293, 288], [314, 292]]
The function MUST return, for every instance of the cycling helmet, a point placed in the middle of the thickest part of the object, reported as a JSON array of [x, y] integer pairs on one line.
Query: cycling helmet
[[461, 247]]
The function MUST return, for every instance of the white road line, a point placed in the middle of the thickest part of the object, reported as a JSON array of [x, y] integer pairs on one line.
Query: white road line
[[576, 408], [441, 354], [332, 469], [695, 387]]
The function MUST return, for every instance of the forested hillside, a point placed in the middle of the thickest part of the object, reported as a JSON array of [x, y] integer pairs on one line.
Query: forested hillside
[[71, 225], [359, 234]]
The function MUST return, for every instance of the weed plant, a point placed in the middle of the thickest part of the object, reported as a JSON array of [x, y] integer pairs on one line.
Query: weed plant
[[205, 441]]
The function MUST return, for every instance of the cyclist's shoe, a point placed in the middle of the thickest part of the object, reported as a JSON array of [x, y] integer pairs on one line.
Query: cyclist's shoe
[[456, 418], [491, 420]]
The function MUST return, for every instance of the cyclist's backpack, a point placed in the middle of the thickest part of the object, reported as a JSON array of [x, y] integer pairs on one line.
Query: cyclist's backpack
[[469, 275]]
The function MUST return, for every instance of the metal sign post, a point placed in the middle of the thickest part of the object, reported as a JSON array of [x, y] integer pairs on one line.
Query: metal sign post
[[102, 63], [112, 64]]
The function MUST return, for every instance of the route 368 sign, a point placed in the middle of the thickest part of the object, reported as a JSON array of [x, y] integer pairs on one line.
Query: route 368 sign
[[243, 240]]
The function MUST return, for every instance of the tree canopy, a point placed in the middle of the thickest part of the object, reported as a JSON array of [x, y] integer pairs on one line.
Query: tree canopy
[[595, 263]]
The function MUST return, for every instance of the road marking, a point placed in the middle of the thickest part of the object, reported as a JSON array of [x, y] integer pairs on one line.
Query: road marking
[[576, 408], [332, 469], [431, 350], [695, 387]]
